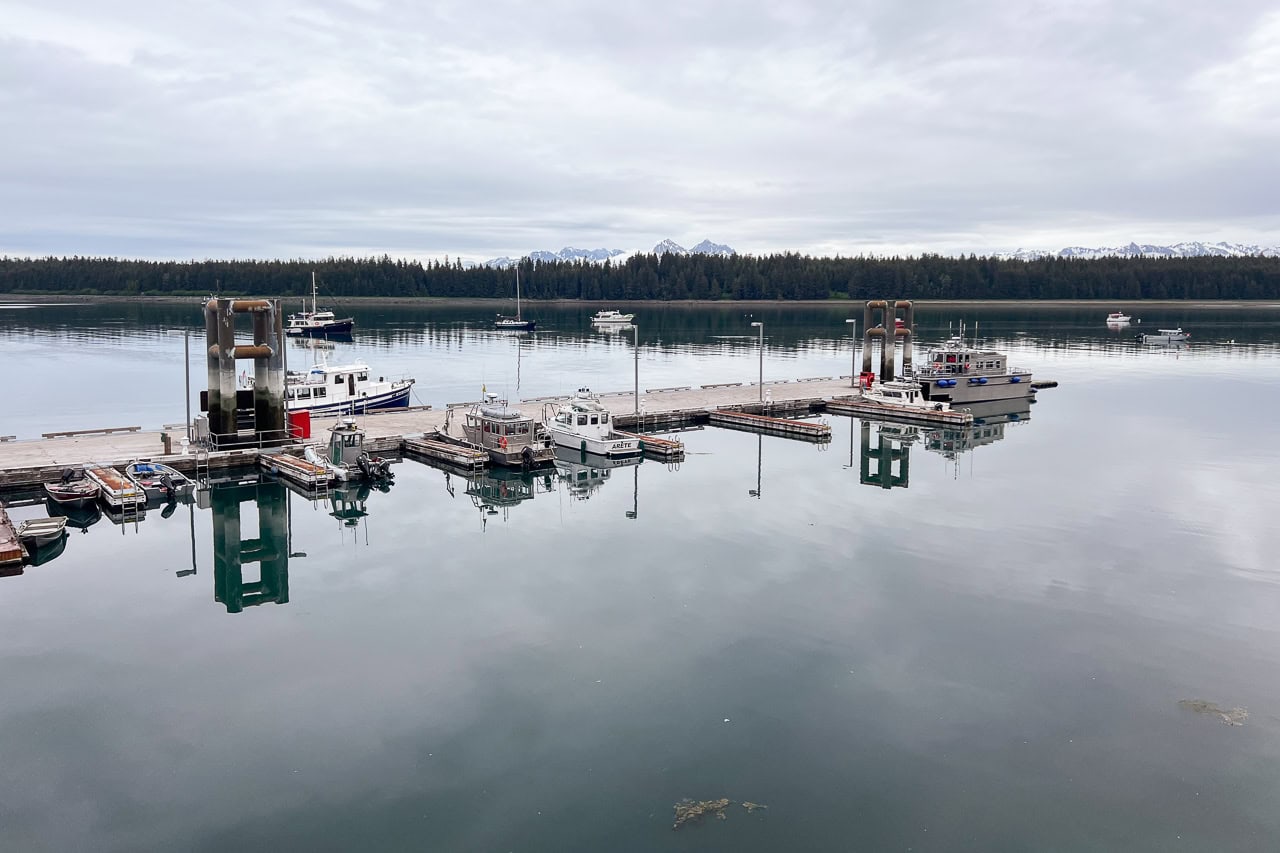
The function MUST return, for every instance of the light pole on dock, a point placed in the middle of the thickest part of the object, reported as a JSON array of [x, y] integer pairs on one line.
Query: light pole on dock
[[186, 364], [853, 355], [760, 326], [636, 329]]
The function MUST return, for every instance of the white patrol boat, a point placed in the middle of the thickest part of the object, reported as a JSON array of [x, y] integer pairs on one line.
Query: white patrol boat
[[584, 425], [344, 389], [612, 318], [958, 373]]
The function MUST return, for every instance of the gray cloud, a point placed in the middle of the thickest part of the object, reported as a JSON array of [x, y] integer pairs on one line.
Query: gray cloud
[[290, 129]]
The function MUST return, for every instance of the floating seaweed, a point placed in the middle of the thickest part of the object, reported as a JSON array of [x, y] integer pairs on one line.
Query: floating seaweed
[[1230, 717], [688, 810], [752, 807]]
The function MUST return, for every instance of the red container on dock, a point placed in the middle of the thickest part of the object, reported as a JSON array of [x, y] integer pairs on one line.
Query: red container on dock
[[300, 424]]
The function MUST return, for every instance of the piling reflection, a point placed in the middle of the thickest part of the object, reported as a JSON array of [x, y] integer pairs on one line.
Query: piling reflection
[[270, 550], [887, 462]]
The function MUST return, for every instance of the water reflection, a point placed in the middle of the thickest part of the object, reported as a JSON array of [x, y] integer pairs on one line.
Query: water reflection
[[887, 463], [495, 492], [270, 549], [584, 473]]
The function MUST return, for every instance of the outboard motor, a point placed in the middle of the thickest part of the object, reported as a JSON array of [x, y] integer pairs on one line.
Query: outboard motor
[[166, 483], [68, 475]]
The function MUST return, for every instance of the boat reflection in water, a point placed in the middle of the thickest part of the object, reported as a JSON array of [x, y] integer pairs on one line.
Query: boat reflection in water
[[584, 473], [496, 491], [270, 549], [885, 459], [79, 517]]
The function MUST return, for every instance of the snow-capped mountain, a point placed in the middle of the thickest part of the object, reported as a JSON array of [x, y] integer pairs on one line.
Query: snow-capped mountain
[[1192, 249], [568, 253], [706, 247], [618, 256]]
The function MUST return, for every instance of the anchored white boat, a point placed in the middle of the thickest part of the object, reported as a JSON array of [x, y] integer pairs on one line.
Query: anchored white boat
[[509, 437], [584, 425], [1116, 318], [1166, 336], [612, 318], [903, 394], [339, 389]]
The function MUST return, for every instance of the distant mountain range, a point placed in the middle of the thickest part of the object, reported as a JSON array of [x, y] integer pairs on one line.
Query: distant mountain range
[[1134, 250], [568, 253]]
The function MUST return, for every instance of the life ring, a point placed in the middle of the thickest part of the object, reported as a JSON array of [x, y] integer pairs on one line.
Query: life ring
[[502, 442]]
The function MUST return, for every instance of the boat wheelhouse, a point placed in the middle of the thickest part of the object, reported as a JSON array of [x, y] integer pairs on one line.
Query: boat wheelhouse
[[958, 373], [583, 424], [509, 437], [342, 389]]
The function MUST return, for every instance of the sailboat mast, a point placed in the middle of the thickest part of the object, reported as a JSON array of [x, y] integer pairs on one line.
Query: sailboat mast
[[517, 291], [313, 291]]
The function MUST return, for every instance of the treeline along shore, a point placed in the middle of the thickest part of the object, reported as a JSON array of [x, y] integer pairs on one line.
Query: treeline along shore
[[666, 277]]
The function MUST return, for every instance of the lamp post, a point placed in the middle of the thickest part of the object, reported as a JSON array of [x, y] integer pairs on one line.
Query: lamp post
[[853, 355], [186, 363], [636, 399], [760, 326]]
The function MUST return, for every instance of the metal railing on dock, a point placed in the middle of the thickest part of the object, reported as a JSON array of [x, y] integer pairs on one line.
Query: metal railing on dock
[[806, 430]]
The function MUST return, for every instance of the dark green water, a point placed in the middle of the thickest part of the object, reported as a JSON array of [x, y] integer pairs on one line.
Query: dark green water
[[988, 656]]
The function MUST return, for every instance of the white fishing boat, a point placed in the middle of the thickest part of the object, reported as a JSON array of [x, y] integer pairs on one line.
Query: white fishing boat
[[509, 437], [583, 424], [1165, 336], [317, 323], [902, 393], [612, 318], [1115, 318], [338, 389], [118, 492], [158, 481]]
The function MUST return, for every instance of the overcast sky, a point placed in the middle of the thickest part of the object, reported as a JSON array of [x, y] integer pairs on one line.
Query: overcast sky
[[283, 128]]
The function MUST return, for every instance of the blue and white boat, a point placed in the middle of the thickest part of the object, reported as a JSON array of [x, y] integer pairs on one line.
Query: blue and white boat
[[344, 389]]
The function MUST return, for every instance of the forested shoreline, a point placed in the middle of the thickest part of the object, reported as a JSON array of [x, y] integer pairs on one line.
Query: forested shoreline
[[667, 277]]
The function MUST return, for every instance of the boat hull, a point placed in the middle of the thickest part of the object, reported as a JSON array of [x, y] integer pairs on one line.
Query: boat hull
[[72, 496], [613, 448], [965, 391], [341, 327], [118, 491], [515, 325]]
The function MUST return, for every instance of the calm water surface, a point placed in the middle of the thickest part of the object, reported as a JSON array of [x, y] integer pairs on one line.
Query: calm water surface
[[982, 646]]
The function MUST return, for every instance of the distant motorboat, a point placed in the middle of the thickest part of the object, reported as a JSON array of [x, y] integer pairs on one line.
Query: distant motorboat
[[1116, 318], [1165, 336], [605, 318]]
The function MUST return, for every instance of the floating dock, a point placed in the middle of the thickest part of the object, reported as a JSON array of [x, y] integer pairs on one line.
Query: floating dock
[[860, 408], [449, 450], [806, 430], [656, 447], [12, 553], [420, 431], [305, 474]]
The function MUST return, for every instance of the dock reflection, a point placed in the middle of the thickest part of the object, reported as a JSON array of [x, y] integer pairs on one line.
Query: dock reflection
[[270, 549]]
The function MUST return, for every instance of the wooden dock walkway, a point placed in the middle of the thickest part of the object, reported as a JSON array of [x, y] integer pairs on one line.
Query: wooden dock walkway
[[421, 431]]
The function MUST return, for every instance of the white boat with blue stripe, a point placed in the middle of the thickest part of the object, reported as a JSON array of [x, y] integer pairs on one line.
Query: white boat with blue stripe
[[344, 389]]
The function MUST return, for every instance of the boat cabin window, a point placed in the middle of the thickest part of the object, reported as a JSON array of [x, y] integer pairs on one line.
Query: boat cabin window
[[321, 392], [604, 418], [582, 420], [595, 419], [362, 377], [337, 380]]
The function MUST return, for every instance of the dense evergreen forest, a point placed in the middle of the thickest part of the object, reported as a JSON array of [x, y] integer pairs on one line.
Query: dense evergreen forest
[[667, 277]]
